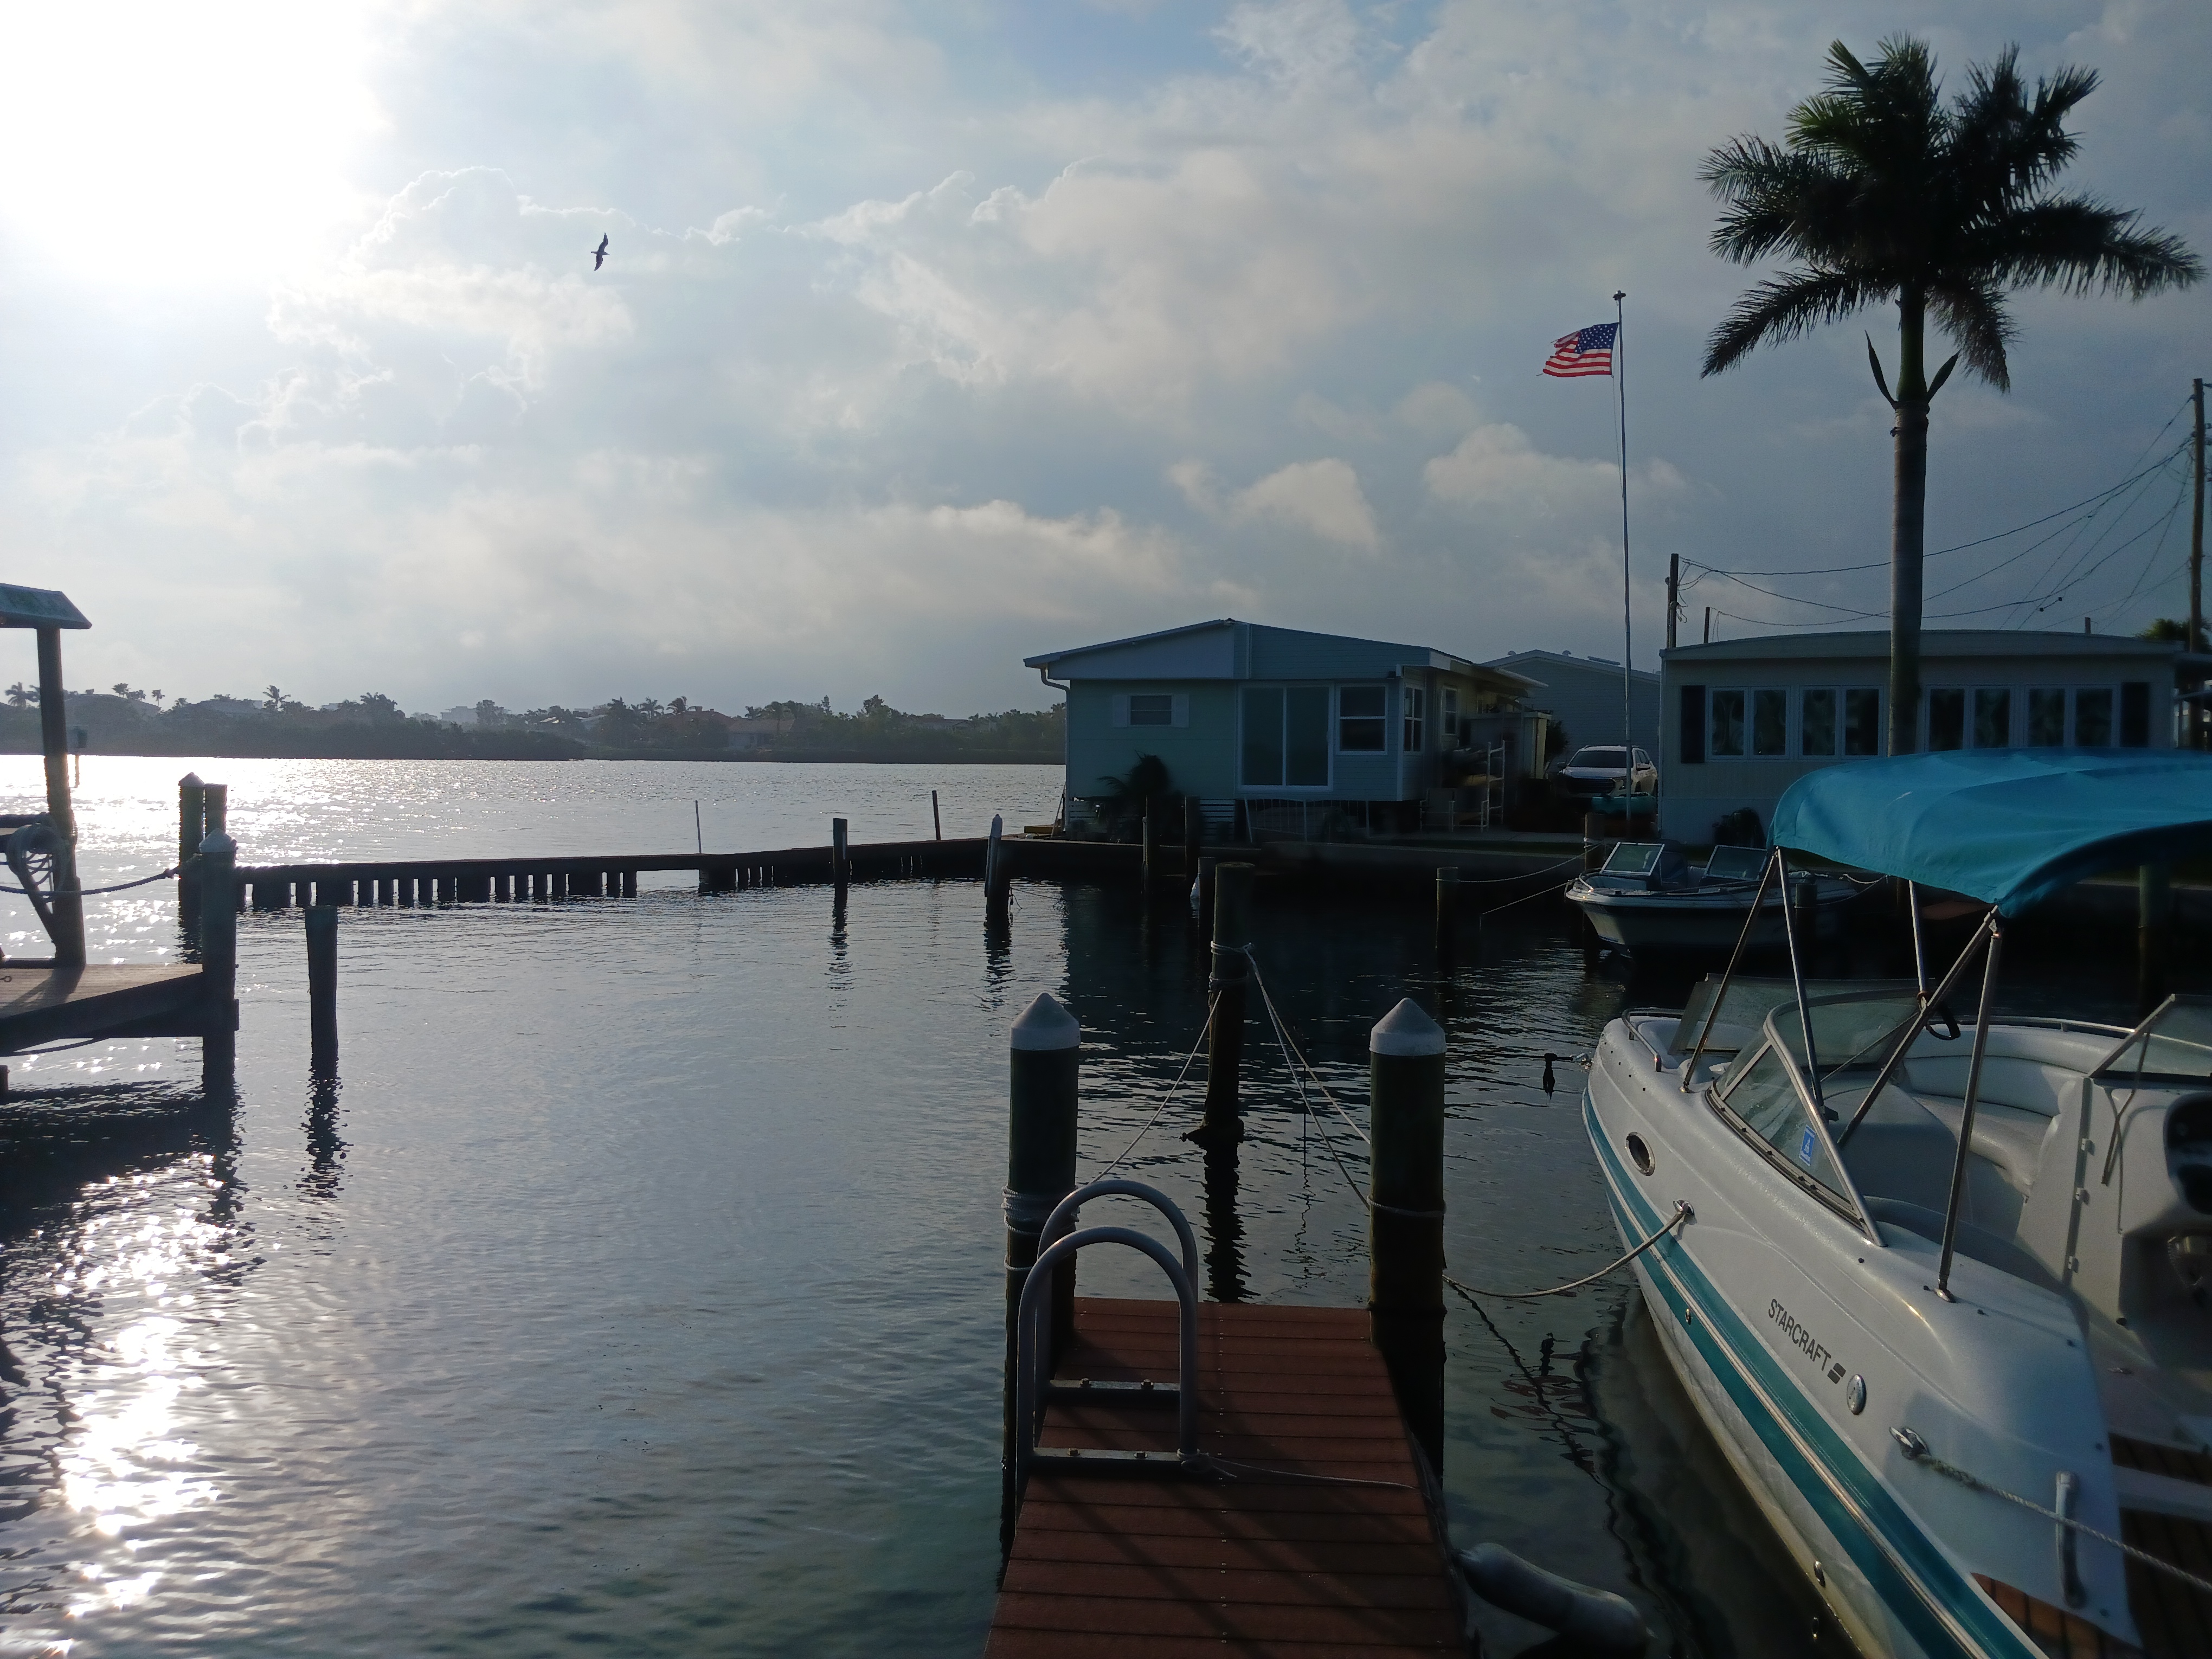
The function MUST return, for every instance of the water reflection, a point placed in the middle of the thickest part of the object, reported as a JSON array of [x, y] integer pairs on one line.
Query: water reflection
[[326, 1150], [118, 1287]]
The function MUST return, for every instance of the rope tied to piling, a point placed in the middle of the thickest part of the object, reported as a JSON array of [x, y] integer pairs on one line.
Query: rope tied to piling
[[1916, 1451], [119, 887], [1683, 1213]]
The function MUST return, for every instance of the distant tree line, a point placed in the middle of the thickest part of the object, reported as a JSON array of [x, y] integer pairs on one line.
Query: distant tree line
[[125, 720]]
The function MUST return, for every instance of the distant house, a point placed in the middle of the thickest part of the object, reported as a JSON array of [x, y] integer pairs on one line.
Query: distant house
[[1241, 712], [1583, 697], [1747, 718], [758, 732]]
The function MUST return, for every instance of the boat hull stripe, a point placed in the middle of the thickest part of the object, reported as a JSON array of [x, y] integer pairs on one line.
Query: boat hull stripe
[[1927, 1593]]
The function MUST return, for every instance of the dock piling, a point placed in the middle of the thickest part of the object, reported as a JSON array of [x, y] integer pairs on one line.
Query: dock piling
[[67, 904], [1044, 1063], [1406, 1216], [218, 963], [994, 866], [841, 863], [192, 830], [1225, 1031], [1204, 912], [322, 987], [1151, 866], [936, 820]]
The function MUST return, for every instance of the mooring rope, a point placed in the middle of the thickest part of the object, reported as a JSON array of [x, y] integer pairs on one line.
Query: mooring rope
[[1167, 1099], [1682, 1213], [1917, 1451], [91, 892]]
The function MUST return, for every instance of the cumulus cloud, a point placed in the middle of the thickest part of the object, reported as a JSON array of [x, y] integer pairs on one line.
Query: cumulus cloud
[[1320, 498]]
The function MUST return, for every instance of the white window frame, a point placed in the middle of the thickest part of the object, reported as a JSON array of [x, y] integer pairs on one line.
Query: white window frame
[[1277, 791], [1383, 719], [1413, 706]]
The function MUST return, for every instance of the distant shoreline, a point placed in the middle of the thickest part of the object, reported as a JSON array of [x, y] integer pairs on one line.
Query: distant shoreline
[[468, 746]]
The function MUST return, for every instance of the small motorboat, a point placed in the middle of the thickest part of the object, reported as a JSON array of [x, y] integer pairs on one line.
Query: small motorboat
[[1649, 897], [1941, 1282]]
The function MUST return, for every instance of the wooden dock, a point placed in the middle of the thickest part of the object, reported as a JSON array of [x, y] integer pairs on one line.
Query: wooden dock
[[42, 1002], [1258, 1562]]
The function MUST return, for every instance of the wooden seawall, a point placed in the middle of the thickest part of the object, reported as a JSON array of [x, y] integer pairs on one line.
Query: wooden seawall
[[1316, 1536]]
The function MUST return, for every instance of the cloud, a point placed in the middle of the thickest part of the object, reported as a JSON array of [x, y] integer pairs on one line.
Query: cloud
[[929, 341], [1322, 498]]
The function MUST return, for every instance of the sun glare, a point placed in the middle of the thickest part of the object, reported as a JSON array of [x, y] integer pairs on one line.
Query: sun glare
[[152, 143]]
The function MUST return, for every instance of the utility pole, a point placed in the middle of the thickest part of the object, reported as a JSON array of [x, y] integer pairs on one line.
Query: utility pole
[[1674, 585], [2196, 557]]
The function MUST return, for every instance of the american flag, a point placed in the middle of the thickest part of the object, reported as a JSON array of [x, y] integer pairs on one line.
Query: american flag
[[1586, 351]]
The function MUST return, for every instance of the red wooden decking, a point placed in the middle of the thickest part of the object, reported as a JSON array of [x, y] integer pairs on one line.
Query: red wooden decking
[[1261, 1565]]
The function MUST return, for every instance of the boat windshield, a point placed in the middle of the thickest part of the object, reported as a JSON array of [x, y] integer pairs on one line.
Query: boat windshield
[[1735, 863], [1745, 1004], [1852, 1032], [2174, 1045], [1766, 1099]]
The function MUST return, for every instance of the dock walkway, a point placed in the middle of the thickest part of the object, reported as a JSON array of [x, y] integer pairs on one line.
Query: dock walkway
[[42, 1003], [1260, 1562]]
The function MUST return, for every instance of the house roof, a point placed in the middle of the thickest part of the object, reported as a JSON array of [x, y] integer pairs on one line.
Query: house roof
[[1870, 643], [1558, 662], [1226, 648]]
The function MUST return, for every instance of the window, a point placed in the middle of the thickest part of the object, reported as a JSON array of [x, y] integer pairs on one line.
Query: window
[[1417, 704], [2093, 717], [1992, 717], [1285, 738], [2134, 714], [1152, 708], [1693, 727], [1360, 729], [1769, 723], [1863, 721], [1727, 723], [1262, 766], [1947, 718], [1305, 736], [1448, 716], [1816, 724], [2046, 716]]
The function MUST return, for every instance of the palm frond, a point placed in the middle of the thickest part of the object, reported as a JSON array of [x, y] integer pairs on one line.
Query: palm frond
[[2078, 245], [1773, 197], [1785, 306], [1973, 314]]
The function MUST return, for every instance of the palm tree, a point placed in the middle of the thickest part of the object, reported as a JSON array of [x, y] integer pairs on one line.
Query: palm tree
[[1883, 192]]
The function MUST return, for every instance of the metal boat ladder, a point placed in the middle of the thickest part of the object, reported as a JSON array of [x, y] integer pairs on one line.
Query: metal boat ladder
[[1060, 1241]]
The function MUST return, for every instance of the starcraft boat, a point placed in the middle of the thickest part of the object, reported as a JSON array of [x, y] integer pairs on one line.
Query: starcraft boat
[[1650, 897], [1943, 1288]]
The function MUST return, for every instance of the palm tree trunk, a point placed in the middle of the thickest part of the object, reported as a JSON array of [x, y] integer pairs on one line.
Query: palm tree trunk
[[1908, 523]]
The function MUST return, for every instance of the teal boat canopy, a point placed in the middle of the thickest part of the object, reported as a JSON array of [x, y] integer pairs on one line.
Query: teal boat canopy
[[2006, 826]]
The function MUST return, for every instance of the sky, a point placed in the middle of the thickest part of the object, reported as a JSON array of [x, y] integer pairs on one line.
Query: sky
[[932, 336]]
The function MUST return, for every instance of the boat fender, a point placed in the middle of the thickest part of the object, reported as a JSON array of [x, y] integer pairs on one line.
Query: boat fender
[[1593, 1618]]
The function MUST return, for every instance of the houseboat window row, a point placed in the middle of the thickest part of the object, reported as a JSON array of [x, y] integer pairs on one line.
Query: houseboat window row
[[1982, 717], [1753, 723]]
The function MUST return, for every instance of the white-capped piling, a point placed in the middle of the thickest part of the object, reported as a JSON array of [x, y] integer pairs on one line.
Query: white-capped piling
[[192, 830], [1044, 1060], [1406, 1213]]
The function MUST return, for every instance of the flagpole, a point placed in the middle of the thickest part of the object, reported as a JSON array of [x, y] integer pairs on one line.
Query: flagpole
[[1620, 397]]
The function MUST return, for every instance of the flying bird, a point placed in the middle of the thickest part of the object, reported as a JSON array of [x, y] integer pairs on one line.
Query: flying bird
[[599, 254]]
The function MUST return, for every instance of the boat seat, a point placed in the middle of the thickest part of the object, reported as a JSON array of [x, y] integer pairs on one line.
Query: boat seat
[[1903, 1152], [2010, 1138], [2025, 1085], [1978, 1243]]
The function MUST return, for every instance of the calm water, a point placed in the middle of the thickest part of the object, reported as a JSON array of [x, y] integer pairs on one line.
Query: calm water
[[638, 1288]]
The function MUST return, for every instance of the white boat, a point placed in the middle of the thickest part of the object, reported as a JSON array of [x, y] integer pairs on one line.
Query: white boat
[[1649, 897], [1942, 1288]]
